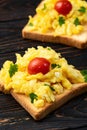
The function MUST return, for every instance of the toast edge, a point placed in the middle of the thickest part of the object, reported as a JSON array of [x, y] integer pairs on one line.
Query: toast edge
[[61, 99], [70, 41]]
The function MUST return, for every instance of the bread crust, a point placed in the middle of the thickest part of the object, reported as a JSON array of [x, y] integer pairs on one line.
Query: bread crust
[[67, 40], [40, 113]]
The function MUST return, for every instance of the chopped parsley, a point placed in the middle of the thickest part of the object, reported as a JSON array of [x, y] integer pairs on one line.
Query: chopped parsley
[[46, 84], [61, 21], [76, 22], [55, 65], [44, 7], [33, 96], [82, 9], [49, 48], [13, 68], [30, 24], [84, 73], [50, 87]]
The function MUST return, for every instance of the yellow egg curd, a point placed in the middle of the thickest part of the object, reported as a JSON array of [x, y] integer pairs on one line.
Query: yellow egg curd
[[48, 20], [40, 88]]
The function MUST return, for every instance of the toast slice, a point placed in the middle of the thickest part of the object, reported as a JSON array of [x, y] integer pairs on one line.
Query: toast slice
[[37, 92], [75, 40], [40, 113], [78, 41]]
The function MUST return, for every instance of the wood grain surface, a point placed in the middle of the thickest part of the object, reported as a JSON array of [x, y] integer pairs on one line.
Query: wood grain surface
[[71, 116]]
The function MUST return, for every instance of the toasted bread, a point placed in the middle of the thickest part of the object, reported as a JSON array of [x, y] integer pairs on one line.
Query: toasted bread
[[41, 93], [40, 113], [76, 40]]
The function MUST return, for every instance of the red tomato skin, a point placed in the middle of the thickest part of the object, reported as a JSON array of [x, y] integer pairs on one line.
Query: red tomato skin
[[38, 65], [63, 7]]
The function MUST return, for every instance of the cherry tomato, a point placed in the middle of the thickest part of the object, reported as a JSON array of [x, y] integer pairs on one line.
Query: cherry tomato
[[38, 65], [63, 7]]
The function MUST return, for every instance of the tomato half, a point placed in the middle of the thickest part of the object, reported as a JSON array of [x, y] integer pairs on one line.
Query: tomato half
[[38, 65], [63, 7]]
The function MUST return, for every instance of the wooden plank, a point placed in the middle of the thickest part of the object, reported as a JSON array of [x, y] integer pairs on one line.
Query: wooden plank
[[73, 115]]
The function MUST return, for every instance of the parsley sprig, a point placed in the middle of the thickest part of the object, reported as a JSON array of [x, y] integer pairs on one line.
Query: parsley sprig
[[33, 96], [55, 65], [76, 21], [13, 68], [84, 73], [82, 9], [61, 20]]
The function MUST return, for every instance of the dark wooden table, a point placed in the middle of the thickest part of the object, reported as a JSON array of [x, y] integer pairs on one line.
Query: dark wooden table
[[72, 115]]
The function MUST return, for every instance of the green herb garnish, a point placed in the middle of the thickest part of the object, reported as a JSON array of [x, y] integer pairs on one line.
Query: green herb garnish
[[13, 68], [50, 87], [49, 48], [30, 24], [55, 65], [82, 9], [61, 21], [46, 84], [76, 22], [32, 97], [44, 7], [84, 73]]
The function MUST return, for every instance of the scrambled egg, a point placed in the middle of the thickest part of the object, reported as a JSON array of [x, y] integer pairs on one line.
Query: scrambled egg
[[47, 19], [41, 88]]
